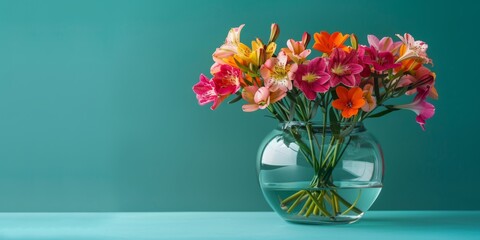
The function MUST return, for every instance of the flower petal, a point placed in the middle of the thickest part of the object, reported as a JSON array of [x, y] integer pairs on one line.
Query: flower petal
[[261, 95], [339, 104], [349, 112], [373, 41], [248, 93], [342, 93], [358, 103], [250, 107], [355, 93]]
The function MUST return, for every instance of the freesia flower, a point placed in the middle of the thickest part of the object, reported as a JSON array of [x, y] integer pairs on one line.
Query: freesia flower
[[227, 80], [413, 49], [344, 68], [370, 101], [324, 42], [386, 44], [423, 109], [349, 101], [312, 78], [296, 50], [380, 61], [260, 98], [277, 73], [205, 91]]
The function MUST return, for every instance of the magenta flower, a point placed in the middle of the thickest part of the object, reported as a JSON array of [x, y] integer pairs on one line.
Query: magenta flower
[[386, 44], [423, 109], [227, 80], [380, 61], [205, 91], [344, 68], [312, 78]]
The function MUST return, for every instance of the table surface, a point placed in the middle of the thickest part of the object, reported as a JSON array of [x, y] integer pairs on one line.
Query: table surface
[[236, 225]]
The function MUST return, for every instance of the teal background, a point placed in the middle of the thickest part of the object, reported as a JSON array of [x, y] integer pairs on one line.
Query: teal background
[[97, 111]]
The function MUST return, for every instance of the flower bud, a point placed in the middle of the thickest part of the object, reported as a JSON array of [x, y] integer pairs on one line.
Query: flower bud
[[354, 41], [274, 32], [306, 39]]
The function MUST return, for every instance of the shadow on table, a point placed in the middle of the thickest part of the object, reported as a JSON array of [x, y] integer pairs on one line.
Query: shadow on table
[[457, 220]]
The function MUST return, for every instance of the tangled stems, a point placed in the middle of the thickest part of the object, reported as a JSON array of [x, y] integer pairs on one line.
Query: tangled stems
[[321, 151], [322, 197], [324, 149], [322, 202]]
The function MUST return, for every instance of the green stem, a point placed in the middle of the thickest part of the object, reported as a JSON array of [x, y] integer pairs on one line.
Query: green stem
[[347, 204], [319, 205], [297, 201], [293, 196], [323, 134], [312, 150], [353, 204]]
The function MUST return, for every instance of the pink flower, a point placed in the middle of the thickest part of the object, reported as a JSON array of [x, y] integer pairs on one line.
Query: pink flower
[[296, 50], [227, 80], [423, 109], [205, 91], [380, 61], [344, 68], [384, 45], [413, 49], [277, 74], [260, 98], [312, 78]]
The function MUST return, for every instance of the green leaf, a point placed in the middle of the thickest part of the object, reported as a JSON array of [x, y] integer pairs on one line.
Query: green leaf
[[303, 147], [236, 99], [376, 88], [400, 91], [314, 108], [243, 68], [348, 130], [382, 113], [291, 113], [291, 96], [334, 124]]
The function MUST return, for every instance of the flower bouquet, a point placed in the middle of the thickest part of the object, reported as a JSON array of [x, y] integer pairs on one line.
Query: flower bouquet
[[321, 100]]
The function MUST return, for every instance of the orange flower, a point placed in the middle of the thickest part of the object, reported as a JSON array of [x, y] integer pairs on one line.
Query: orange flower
[[349, 101], [324, 42]]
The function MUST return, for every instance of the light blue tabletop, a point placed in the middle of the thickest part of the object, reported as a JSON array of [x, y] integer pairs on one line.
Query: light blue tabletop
[[236, 225]]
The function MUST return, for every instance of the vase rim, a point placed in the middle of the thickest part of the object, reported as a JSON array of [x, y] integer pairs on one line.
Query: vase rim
[[319, 125]]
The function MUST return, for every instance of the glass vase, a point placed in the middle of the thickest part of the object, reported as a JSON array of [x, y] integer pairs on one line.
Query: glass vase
[[317, 173]]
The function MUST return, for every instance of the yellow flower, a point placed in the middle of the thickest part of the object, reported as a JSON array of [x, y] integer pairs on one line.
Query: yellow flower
[[254, 57]]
